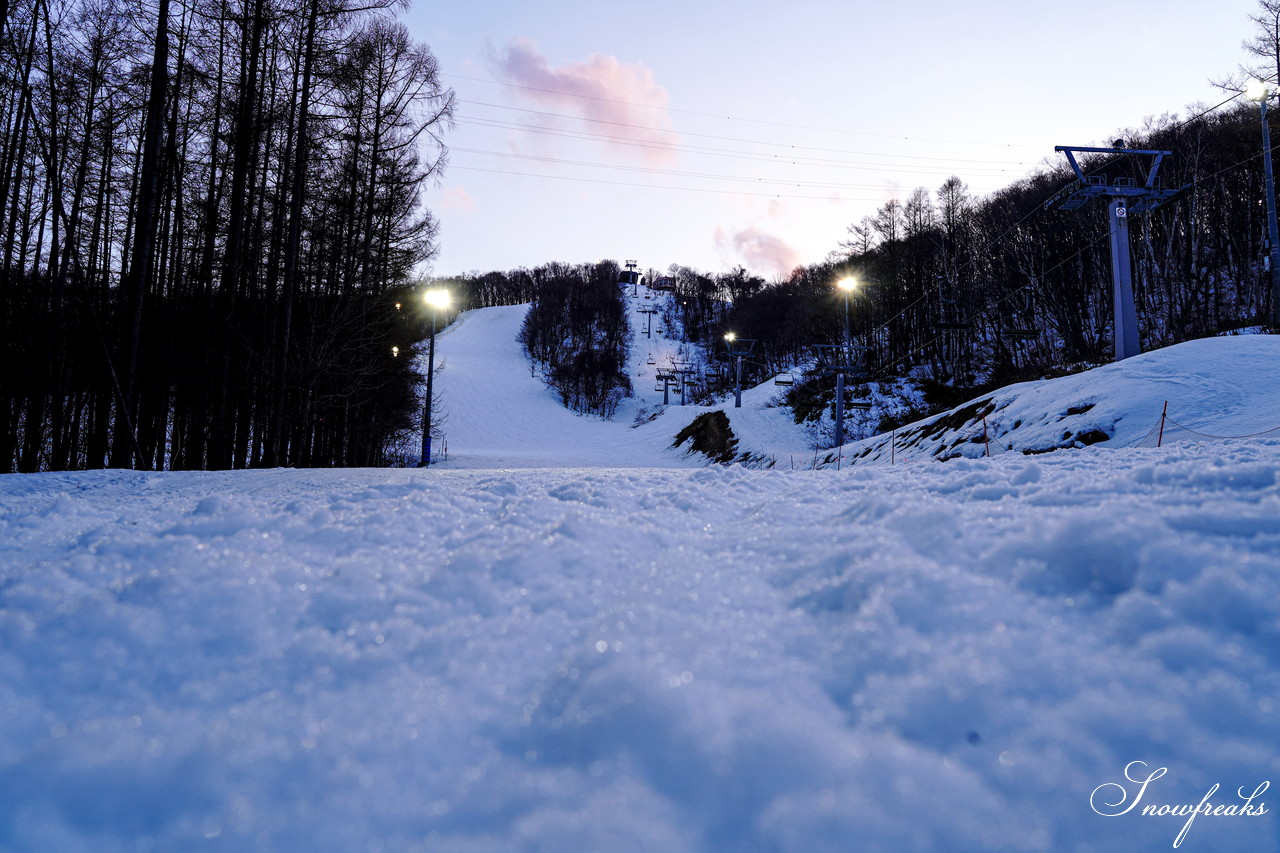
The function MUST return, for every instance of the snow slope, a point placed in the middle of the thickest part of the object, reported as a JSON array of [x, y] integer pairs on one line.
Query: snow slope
[[1227, 386], [915, 658], [498, 415]]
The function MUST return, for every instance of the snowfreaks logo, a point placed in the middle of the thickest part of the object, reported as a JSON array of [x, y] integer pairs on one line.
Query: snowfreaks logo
[[1108, 800]]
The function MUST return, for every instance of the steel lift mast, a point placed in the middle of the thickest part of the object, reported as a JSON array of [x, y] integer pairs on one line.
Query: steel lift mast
[[1124, 197]]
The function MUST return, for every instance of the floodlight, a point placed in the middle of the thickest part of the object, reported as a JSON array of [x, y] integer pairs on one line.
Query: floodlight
[[438, 299], [1257, 90]]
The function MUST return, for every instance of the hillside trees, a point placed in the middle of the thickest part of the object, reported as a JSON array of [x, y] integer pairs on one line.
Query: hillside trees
[[577, 330], [203, 211]]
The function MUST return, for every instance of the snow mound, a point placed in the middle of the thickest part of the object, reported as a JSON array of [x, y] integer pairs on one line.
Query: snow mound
[[1215, 387]]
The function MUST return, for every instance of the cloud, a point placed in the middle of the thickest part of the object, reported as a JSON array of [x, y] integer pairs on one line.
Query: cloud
[[458, 200], [758, 251], [619, 99]]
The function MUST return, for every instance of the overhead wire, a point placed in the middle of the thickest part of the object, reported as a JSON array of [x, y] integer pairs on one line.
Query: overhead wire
[[786, 145], [727, 153], [765, 122], [659, 186], [793, 155], [668, 172]]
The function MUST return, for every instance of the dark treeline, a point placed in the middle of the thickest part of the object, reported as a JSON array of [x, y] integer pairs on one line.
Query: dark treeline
[[206, 214], [996, 288], [576, 330]]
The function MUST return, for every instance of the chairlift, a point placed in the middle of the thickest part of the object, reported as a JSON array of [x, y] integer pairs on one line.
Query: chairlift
[[1023, 326], [651, 360], [784, 379], [948, 316]]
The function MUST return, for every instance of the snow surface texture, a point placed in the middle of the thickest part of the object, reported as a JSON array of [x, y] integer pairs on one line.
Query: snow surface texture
[[935, 657]]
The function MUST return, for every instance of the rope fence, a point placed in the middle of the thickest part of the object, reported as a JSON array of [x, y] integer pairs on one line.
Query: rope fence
[[1169, 431]]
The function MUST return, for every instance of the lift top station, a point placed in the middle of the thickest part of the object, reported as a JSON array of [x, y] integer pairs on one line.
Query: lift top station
[[631, 275], [1124, 197]]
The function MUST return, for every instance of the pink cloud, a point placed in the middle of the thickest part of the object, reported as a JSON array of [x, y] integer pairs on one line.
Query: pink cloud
[[620, 99], [458, 200], [759, 252]]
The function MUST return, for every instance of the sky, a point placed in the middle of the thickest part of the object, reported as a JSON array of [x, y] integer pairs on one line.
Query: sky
[[712, 134]]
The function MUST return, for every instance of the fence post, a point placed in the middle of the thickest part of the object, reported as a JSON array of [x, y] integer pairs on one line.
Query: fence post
[[1160, 437], [986, 439], [893, 444]]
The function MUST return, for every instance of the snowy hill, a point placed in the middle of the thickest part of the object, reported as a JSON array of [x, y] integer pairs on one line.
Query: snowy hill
[[499, 415], [1216, 387]]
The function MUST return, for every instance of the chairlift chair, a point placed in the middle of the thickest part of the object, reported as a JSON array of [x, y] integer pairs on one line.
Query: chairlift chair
[[1023, 325], [784, 379], [948, 316]]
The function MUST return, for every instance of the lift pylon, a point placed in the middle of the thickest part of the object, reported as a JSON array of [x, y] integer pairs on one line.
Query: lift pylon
[[1124, 197]]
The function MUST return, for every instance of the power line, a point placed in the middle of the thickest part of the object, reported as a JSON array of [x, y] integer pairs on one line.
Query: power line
[[724, 117], [662, 187], [668, 172], [723, 152], [786, 145]]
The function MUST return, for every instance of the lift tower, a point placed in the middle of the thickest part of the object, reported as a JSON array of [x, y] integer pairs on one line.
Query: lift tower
[[1124, 197]]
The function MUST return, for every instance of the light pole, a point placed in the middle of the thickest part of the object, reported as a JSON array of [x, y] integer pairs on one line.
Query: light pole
[[737, 372], [1260, 91], [848, 284], [437, 300]]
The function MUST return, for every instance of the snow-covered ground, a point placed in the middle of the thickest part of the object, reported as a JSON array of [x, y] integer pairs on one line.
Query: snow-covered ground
[[937, 657], [620, 652]]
